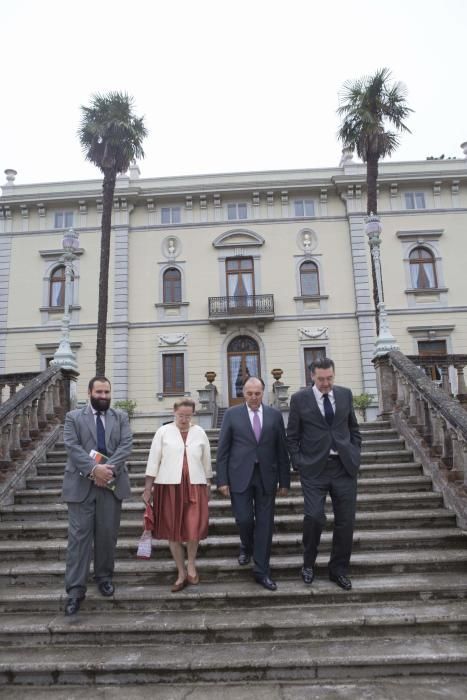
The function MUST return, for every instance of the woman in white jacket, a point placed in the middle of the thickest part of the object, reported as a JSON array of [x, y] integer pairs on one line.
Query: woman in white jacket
[[180, 465]]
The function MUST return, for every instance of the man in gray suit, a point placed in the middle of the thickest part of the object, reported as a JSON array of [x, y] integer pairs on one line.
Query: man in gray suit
[[252, 460], [324, 444], [93, 491]]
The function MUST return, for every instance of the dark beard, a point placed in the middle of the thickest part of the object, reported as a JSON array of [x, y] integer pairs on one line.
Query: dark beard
[[99, 404]]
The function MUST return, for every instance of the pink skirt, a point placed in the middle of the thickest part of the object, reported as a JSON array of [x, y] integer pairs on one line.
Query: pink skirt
[[181, 510]]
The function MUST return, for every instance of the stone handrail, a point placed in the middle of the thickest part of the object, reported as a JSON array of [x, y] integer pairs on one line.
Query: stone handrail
[[14, 380], [433, 423], [454, 385], [40, 404]]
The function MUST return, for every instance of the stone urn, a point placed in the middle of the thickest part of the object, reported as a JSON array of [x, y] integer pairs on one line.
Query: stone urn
[[210, 377], [277, 373]]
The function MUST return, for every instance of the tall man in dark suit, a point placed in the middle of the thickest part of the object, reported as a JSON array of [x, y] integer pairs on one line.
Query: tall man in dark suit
[[324, 444], [94, 492], [252, 460]]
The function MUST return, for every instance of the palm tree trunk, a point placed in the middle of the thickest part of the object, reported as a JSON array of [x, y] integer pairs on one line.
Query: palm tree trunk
[[372, 208], [108, 188]]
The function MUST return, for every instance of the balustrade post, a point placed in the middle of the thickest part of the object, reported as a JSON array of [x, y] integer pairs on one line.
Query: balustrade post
[[12, 387], [2, 386], [5, 445], [15, 443], [386, 384], [446, 456], [42, 410], [25, 437], [412, 407], [50, 403], [33, 422], [56, 399]]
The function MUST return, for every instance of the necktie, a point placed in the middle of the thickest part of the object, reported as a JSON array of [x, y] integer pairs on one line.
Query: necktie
[[100, 432], [328, 412], [256, 425]]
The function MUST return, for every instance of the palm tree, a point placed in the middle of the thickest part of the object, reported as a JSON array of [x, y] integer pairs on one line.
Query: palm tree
[[367, 107], [111, 137]]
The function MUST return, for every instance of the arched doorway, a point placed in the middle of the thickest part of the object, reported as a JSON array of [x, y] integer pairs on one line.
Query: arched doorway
[[242, 362]]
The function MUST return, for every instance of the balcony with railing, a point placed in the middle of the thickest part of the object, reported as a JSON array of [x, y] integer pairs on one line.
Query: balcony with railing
[[254, 307]]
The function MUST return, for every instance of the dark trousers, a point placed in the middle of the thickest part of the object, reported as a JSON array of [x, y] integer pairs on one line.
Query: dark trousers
[[254, 514], [342, 488], [94, 520]]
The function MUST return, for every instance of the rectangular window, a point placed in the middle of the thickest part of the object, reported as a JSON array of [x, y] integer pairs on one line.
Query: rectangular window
[[63, 219], [304, 207], [415, 200], [170, 215], [309, 355], [173, 374], [236, 211]]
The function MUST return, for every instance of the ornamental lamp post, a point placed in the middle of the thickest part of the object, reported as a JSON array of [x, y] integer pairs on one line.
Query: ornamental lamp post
[[385, 340], [64, 356]]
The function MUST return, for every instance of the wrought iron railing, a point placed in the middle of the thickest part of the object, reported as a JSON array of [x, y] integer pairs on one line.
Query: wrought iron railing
[[251, 305]]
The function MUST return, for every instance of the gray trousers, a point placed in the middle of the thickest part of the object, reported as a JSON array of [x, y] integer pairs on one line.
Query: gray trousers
[[94, 520]]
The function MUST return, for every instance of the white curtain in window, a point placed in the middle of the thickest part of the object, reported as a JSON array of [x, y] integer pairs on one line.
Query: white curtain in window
[[234, 367]]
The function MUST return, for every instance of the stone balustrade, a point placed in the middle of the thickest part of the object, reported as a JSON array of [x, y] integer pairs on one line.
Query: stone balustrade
[[432, 422], [449, 370], [11, 383], [41, 403]]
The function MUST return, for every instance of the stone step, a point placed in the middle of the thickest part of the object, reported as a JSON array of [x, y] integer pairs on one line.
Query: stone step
[[227, 545], [395, 561], [369, 446], [397, 688], [367, 457], [307, 622], [430, 586], [53, 478], [225, 662], [290, 504], [396, 519], [373, 485]]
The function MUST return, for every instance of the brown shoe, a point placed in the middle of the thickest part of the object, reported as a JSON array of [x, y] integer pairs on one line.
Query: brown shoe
[[179, 586], [193, 580]]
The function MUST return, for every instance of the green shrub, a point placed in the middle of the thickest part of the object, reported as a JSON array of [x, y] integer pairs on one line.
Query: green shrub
[[126, 405]]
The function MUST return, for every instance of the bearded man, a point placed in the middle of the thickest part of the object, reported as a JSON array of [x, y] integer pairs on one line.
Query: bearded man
[[98, 441]]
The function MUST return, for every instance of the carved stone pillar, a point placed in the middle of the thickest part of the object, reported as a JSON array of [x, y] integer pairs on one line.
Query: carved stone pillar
[[33, 422], [25, 437], [385, 381], [5, 445], [42, 411], [15, 442], [49, 405]]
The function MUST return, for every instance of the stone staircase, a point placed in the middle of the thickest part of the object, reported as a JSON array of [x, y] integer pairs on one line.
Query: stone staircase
[[402, 629]]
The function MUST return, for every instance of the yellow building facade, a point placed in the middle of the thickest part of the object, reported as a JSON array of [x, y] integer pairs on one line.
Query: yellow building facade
[[235, 273]]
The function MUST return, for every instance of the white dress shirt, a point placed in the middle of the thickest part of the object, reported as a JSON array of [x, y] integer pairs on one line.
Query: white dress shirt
[[251, 413], [320, 402]]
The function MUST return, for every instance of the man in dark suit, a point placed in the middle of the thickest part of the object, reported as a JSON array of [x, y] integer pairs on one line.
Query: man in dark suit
[[252, 460], [93, 491], [324, 444]]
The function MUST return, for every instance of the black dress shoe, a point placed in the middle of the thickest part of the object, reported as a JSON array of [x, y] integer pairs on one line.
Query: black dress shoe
[[72, 606], [106, 588], [266, 582], [307, 574], [341, 580], [244, 558]]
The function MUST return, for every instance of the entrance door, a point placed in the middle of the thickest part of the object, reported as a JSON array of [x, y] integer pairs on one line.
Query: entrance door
[[242, 362]]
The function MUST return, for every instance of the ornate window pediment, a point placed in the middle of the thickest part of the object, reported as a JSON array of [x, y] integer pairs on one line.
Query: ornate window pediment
[[238, 237]]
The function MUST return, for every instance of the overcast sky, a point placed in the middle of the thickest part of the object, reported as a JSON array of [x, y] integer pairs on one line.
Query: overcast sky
[[224, 86]]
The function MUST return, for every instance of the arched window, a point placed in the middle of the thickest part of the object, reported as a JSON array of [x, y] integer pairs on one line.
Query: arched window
[[172, 287], [309, 279], [57, 287], [422, 269]]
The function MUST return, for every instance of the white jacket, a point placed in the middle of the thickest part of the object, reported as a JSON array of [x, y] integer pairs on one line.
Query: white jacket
[[165, 460]]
